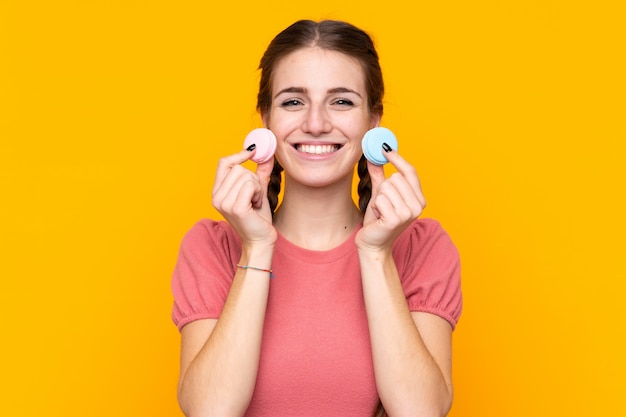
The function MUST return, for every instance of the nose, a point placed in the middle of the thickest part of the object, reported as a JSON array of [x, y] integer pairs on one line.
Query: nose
[[316, 121]]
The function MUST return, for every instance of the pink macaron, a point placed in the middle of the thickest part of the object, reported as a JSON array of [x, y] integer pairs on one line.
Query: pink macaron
[[265, 142]]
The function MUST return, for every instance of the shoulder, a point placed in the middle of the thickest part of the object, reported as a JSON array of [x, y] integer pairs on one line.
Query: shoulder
[[422, 235], [204, 270], [210, 234], [428, 263], [212, 230], [424, 244]]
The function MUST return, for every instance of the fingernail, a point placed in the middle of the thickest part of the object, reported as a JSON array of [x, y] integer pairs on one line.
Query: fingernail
[[386, 147], [251, 147]]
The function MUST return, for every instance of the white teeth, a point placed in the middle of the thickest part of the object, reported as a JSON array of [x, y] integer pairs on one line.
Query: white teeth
[[317, 149]]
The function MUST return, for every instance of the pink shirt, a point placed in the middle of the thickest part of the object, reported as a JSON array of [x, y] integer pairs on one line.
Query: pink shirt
[[316, 356]]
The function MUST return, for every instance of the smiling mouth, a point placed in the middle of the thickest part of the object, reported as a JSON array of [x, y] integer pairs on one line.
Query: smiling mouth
[[317, 149]]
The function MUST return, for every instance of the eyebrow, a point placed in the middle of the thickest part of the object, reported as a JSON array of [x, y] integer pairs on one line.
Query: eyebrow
[[291, 90], [303, 90]]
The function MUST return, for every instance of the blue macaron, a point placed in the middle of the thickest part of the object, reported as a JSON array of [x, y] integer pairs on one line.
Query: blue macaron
[[372, 144]]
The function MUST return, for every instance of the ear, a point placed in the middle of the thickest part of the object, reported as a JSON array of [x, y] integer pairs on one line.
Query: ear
[[375, 120], [266, 120]]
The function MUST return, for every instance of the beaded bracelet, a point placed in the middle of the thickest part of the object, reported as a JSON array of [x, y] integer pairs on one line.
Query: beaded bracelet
[[256, 269]]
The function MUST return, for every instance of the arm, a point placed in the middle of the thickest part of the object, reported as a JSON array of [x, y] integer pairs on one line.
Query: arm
[[219, 358], [411, 351]]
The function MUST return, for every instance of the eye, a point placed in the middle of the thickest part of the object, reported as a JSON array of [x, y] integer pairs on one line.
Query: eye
[[292, 102], [343, 102]]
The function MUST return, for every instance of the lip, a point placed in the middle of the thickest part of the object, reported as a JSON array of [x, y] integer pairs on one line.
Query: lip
[[316, 149]]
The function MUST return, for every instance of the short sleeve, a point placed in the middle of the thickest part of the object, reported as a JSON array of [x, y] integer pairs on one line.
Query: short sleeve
[[429, 266], [204, 271]]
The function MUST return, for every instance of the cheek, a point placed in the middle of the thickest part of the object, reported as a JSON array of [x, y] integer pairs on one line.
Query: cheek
[[282, 148], [356, 124], [281, 126]]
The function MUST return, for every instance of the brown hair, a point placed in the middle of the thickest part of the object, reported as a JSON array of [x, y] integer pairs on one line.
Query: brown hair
[[336, 36]]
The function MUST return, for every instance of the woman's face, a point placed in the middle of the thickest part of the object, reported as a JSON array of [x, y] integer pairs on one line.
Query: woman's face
[[319, 115]]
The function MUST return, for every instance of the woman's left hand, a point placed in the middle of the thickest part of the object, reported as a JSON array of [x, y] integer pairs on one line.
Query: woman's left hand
[[395, 203]]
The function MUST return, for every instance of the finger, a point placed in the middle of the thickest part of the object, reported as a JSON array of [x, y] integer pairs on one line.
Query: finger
[[224, 192], [226, 163], [408, 172], [237, 176], [400, 203], [403, 195], [384, 209], [239, 200]]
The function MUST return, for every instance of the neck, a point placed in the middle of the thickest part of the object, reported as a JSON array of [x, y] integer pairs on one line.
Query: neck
[[317, 218]]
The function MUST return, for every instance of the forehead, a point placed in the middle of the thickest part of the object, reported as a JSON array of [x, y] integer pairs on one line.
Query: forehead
[[316, 68]]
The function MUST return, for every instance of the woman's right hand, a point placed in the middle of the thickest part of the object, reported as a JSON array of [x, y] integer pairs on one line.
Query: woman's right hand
[[240, 195]]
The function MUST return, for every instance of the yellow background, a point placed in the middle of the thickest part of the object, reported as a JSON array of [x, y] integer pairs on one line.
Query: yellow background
[[114, 113]]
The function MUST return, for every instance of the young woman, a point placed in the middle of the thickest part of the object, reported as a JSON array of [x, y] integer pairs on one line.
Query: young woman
[[318, 307]]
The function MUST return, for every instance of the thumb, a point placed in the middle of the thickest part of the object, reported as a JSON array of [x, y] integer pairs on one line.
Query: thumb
[[377, 175], [264, 171]]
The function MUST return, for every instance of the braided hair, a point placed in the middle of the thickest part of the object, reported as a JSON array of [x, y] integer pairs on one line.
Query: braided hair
[[273, 188]]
